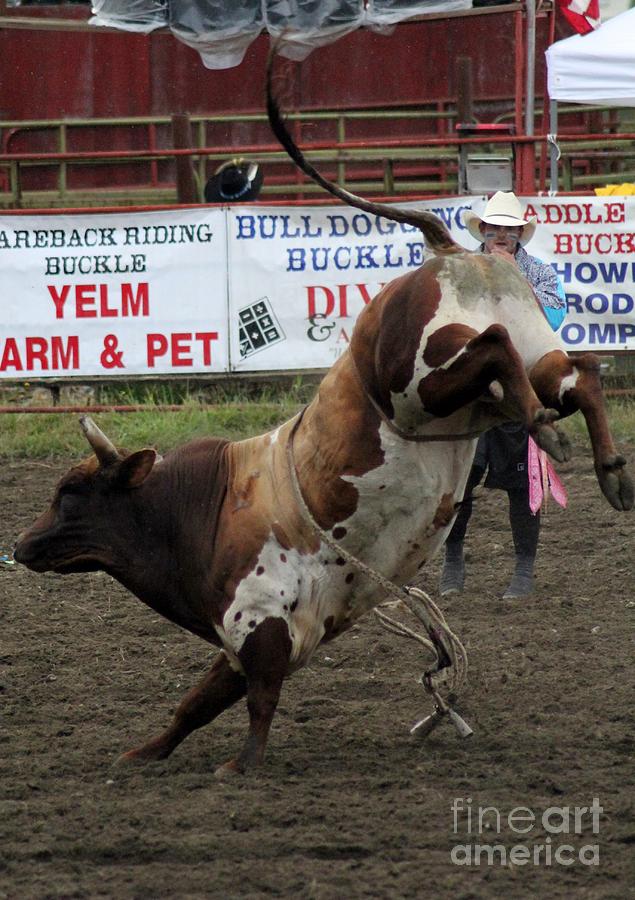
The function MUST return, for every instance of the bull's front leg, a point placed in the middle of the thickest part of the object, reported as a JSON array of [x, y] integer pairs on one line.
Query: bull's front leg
[[569, 385], [469, 365], [264, 657], [217, 691]]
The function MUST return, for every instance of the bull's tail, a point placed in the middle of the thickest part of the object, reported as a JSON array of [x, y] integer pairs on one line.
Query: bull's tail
[[434, 231]]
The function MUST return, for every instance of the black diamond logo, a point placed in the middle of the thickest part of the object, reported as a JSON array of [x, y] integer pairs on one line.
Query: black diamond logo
[[258, 327]]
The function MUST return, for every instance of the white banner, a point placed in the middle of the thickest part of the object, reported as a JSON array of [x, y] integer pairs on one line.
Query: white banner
[[299, 277], [113, 294], [257, 288], [590, 242]]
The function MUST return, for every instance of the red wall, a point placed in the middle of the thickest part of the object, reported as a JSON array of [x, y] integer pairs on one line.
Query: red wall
[[56, 74]]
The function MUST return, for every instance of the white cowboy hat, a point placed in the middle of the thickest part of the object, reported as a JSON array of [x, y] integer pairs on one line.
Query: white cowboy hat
[[502, 209]]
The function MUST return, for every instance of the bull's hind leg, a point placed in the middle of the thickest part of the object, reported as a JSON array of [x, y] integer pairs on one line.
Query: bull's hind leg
[[482, 363], [569, 385], [264, 657], [220, 688]]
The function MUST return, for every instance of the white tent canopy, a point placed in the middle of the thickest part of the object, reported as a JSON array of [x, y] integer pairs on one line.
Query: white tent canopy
[[596, 68]]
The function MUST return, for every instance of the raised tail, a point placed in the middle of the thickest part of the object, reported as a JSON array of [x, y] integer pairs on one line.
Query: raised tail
[[436, 235]]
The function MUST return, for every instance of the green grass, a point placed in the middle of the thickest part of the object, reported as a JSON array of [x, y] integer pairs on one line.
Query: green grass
[[58, 435], [621, 415]]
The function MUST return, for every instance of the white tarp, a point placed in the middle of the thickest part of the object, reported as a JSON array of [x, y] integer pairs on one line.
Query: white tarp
[[595, 68], [222, 30]]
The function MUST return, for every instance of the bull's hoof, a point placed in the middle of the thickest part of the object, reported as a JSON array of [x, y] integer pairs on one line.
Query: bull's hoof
[[140, 756], [617, 484], [130, 759], [545, 416], [228, 770], [554, 442]]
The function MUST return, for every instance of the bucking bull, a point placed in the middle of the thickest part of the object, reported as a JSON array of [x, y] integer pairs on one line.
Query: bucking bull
[[238, 542]]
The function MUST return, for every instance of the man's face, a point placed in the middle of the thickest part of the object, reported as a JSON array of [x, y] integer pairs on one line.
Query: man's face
[[500, 237]]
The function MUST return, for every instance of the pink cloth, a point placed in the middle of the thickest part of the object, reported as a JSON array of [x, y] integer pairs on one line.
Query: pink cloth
[[543, 479]]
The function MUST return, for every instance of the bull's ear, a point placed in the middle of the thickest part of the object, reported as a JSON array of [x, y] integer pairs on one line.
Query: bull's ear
[[134, 469]]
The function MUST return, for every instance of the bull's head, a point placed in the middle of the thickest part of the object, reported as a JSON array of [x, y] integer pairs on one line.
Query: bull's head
[[80, 531]]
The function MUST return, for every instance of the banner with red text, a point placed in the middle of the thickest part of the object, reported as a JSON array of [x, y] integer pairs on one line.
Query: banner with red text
[[590, 242], [258, 288], [299, 277], [113, 294]]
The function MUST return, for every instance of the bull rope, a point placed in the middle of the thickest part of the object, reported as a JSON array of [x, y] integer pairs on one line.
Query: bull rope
[[448, 652]]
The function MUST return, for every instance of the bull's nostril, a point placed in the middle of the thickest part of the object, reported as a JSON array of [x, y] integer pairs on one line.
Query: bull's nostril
[[6, 560]]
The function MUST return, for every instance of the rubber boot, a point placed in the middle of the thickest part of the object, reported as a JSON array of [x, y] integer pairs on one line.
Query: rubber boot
[[522, 583], [525, 531], [453, 574]]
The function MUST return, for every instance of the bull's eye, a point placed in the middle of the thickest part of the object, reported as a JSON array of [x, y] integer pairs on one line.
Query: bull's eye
[[70, 504]]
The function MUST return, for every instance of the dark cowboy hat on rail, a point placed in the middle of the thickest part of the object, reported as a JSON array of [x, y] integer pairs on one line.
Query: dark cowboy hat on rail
[[236, 181]]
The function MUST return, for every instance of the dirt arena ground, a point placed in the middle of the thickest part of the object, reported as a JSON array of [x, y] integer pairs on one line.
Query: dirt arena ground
[[348, 805]]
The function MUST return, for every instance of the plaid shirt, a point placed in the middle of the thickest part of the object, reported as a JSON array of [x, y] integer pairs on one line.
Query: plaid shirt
[[542, 278]]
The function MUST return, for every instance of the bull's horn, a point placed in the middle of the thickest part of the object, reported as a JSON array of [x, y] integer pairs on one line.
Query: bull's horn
[[105, 450]]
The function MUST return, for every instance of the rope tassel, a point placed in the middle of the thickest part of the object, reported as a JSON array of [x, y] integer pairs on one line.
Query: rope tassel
[[447, 650]]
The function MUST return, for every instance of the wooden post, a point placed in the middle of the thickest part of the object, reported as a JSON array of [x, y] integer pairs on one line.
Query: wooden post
[[182, 139], [464, 111], [526, 168], [464, 97]]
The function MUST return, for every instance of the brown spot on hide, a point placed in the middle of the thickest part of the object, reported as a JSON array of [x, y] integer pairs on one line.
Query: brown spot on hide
[[264, 657], [488, 356], [444, 512], [339, 532], [238, 617], [340, 562], [283, 557], [260, 570], [282, 593], [349, 577], [338, 438], [294, 606], [252, 623], [281, 536], [446, 343], [405, 307]]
